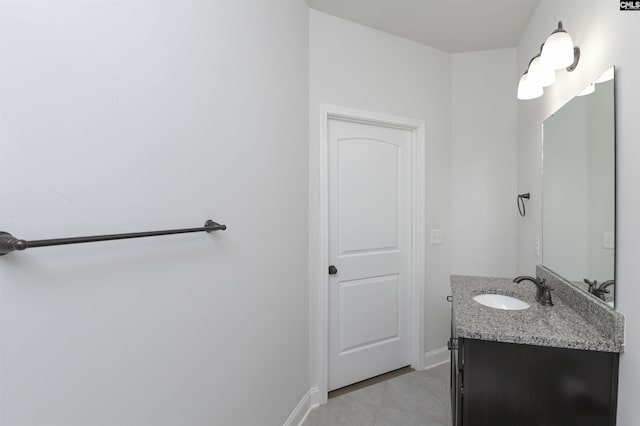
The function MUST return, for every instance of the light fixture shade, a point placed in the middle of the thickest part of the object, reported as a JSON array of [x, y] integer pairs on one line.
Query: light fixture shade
[[606, 76], [540, 74], [557, 51], [588, 90], [528, 90]]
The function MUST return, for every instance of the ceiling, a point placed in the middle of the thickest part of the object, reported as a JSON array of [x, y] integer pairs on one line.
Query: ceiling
[[449, 25]]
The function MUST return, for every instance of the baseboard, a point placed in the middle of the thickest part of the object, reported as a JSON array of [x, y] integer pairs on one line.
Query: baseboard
[[436, 357], [316, 397], [300, 413]]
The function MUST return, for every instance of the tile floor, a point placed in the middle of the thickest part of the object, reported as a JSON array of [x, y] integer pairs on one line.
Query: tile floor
[[417, 398]]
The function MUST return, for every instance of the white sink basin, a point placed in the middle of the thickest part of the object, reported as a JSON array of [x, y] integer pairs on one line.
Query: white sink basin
[[500, 301]]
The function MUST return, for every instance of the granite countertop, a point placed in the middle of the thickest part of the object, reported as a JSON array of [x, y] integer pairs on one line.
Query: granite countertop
[[557, 325]]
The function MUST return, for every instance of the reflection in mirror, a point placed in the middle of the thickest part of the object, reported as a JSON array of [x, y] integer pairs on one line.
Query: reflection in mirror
[[578, 198]]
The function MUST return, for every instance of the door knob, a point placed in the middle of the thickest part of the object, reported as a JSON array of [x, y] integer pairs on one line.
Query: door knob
[[332, 270]]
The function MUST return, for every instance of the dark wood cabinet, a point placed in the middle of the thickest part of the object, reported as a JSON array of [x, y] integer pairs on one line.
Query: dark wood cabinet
[[495, 384]]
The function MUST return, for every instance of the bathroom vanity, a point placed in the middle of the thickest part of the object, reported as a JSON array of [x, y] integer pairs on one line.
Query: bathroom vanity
[[543, 365]]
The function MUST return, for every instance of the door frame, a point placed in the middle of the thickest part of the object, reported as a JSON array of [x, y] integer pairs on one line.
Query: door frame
[[418, 237]]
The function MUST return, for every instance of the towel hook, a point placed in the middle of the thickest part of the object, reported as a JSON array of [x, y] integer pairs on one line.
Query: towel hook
[[521, 207]]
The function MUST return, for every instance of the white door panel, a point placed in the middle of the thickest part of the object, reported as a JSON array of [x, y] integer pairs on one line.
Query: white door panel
[[370, 244], [367, 195], [377, 321]]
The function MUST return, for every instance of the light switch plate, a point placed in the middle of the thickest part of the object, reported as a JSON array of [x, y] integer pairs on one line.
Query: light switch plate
[[436, 236]]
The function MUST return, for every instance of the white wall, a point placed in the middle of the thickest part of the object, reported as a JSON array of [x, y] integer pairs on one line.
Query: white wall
[[130, 116], [483, 145], [355, 66], [606, 37]]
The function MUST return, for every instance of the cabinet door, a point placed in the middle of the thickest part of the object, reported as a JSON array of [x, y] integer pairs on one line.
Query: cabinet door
[[456, 376], [524, 385], [453, 386]]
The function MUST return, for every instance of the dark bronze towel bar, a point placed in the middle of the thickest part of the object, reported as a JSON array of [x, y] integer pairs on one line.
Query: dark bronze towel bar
[[9, 243]]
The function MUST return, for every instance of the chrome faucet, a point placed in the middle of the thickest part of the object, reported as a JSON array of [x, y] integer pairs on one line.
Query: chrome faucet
[[543, 293], [601, 290]]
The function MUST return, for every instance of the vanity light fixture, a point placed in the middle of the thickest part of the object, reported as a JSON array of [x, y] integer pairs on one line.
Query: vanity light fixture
[[606, 76], [588, 90], [528, 90], [556, 52], [541, 74]]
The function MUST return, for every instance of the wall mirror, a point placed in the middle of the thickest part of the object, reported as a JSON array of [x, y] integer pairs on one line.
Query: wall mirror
[[578, 198]]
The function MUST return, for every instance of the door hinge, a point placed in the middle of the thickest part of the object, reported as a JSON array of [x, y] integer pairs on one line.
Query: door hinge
[[452, 343]]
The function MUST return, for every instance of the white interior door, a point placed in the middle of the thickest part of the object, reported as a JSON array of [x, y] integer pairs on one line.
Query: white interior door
[[370, 247]]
